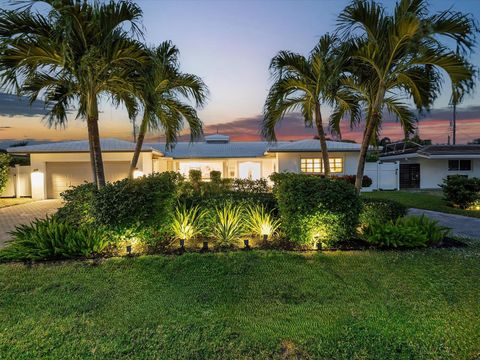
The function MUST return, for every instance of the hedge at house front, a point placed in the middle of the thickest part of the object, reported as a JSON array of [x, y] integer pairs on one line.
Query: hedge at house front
[[315, 209], [461, 191]]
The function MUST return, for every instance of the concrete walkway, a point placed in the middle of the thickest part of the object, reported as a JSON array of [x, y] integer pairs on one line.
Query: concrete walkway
[[460, 225], [12, 216]]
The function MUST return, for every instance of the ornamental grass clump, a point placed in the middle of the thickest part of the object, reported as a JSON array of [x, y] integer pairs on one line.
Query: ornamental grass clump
[[260, 222], [187, 223], [52, 238], [227, 225]]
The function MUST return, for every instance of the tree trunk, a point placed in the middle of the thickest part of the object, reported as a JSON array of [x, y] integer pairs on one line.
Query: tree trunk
[[372, 120], [323, 141], [138, 146], [94, 141]]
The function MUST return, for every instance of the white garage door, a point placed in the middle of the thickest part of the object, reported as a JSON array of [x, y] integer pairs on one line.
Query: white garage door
[[63, 175]]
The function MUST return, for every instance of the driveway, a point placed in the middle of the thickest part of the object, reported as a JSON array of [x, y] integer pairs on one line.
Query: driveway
[[460, 225], [22, 214]]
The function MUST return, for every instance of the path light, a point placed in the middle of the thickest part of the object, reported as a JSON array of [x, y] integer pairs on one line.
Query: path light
[[246, 242], [137, 173], [129, 249], [205, 246], [182, 244]]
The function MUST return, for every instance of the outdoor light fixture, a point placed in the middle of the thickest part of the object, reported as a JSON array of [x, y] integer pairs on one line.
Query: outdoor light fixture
[[137, 173], [129, 250], [319, 245], [205, 246], [182, 244], [265, 237], [246, 242], [37, 177]]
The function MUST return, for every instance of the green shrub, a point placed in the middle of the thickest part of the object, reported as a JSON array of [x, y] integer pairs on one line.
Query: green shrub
[[366, 181], [78, 204], [52, 238], [187, 223], [407, 232], [148, 200], [4, 171], [461, 191], [315, 209], [260, 222], [259, 186], [215, 176], [227, 226], [380, 210]]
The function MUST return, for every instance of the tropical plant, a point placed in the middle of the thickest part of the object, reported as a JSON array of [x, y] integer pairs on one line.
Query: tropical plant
[[305, 84], [74, 52], [261, 222], [162, 91], [51, 238], [400, 56], [227, 224], [461, 191], [4, 171], [187, 223]]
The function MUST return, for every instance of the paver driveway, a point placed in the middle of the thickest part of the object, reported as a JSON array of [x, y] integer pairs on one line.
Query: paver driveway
[[23, 214], [460, 225]]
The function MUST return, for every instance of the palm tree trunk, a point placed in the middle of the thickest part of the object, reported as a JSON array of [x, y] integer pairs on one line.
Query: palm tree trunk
[[94, 141], [372, 120], [138, 146], [323, 140]]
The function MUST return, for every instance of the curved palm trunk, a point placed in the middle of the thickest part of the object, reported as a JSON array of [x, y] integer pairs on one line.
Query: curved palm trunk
[[323, 140], [94, 142], [138, 146], [372, 120]]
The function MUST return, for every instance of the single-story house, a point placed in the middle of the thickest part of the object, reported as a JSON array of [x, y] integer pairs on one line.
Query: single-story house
[[55, 167], [425, 167]]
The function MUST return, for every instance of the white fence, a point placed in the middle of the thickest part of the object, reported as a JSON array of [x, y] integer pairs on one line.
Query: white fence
[[18, 184], [384, 175]]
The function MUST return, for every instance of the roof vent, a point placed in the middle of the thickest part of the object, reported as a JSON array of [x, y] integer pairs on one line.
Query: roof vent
[[217, 139]]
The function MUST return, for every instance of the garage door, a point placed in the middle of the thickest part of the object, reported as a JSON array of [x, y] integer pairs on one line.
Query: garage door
[[63, 175]]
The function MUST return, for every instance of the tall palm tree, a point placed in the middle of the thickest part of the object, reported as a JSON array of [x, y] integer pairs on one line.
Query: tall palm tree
[[401, 56], [162, 94], [305, 84], [73, 54]]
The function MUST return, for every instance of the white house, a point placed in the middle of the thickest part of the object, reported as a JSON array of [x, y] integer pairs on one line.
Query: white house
[[55, 167], [426, 167]]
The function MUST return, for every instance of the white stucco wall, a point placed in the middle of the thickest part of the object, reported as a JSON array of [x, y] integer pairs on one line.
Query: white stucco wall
[[290, 162], [433, 171]]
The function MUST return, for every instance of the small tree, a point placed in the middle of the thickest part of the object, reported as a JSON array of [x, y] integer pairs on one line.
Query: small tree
[[4, 171]]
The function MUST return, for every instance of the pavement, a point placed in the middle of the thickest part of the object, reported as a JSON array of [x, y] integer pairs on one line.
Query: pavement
[[12, 216], [461, 225]]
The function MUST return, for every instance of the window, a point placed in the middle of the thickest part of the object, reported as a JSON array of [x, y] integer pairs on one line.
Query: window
[[315, 165], [459, 165]]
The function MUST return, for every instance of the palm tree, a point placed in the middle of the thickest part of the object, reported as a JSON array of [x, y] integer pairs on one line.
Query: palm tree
[[75, 54], [398, 57], [162, 93], [305, 84]]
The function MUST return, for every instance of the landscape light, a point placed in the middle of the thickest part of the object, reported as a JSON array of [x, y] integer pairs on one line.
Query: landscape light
[[205, 246], [246, 242], [182, 244], [129, 249], [137, 173]]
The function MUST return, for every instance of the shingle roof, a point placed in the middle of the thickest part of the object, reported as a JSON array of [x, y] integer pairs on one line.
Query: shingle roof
[[107, 145], [314, 145], [450, 150]]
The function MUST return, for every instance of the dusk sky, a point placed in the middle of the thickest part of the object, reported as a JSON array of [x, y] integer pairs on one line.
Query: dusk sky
[[230, 44]]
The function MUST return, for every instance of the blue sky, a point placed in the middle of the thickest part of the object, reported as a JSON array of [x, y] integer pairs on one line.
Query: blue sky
[[230, 44]]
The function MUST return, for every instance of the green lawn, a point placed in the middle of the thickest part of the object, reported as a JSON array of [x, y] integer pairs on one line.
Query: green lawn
[[421, 199], [372, 304]]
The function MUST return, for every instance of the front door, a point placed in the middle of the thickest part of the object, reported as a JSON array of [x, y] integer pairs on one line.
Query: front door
[[409, 176]]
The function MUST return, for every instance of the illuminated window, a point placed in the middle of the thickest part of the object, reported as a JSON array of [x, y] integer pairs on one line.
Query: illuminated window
[[315, 165]]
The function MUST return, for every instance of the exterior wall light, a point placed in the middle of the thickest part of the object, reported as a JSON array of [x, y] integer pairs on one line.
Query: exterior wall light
[[137, 173], [37, 178]]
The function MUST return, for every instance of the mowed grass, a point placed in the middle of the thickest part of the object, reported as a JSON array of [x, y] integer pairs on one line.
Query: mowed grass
[[421, 199], [370, 304]]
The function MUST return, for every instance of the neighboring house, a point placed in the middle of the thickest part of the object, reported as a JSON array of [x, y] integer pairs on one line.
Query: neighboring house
[[425, 167], [57, 166]]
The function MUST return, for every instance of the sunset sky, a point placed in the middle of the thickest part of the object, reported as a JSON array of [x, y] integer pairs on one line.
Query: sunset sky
[[230, 44]]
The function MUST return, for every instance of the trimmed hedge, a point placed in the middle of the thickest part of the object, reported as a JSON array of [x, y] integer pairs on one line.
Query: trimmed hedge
[[380, 211], [315, 209]]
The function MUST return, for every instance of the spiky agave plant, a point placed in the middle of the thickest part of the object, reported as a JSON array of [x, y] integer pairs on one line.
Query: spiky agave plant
[[187, 222], [228, 224], [261, 222]]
